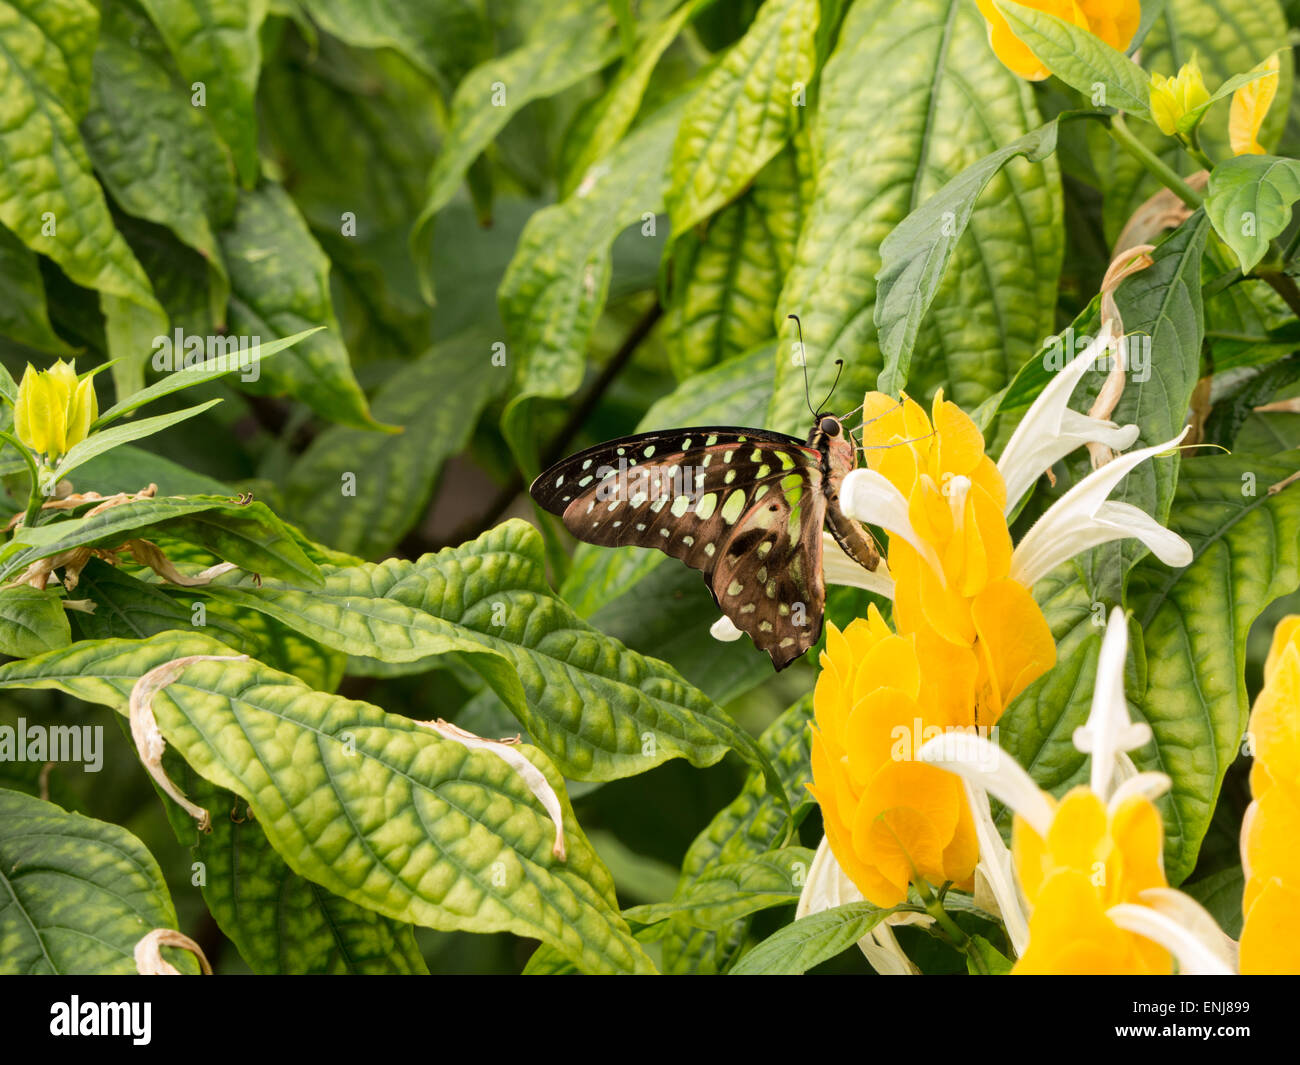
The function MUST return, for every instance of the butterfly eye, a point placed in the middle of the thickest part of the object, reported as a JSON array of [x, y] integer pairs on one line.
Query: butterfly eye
[[830, 426]]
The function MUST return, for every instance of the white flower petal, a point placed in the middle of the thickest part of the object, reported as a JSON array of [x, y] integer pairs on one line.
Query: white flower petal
[[1195, 957], [1109, 731], [1084, 517], [839, 568], [1189, 913], [996, 868], [868, 496], [989, 767], [1148, 785], [1050, 429], [724, 629], [827, 886]]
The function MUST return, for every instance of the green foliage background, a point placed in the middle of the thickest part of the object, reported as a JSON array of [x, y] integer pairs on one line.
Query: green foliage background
[[525, 228]]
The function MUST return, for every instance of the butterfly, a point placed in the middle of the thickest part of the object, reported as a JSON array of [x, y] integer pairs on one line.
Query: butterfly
[[746, 507]]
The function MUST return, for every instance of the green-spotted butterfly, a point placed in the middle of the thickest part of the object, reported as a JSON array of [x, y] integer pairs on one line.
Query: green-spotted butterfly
[[745, 507]]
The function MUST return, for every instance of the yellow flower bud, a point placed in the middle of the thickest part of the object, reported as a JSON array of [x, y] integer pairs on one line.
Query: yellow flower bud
[[1172, 99], [53, 411]]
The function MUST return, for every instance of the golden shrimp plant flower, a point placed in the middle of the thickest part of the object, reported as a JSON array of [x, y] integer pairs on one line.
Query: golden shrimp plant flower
[[1270, 937], [1175, 98], [1112, 21], [1087, 870]]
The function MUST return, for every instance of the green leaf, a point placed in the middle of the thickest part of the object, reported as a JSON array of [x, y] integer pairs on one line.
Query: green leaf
[[726, 282], [79, 894], [915, 256], [617, 108], [1080, 59], [1162, 302], [992, 961], [1220, 893], [280, 287], [208, 370], [247, 534], [218, 43], [724, 894], [460, 842], [49, 197], [811, 940], [884, 146], [279, 921], [571, 42], [747, 826], [32, 620], [23, 316], [555, 286], [744, 112], [155, 151], [104, 440], [1249, 200], [444, 38], [600, 711], [437, 401]]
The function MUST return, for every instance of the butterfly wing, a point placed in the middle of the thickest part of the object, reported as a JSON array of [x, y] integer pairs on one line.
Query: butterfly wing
[[743, 506]]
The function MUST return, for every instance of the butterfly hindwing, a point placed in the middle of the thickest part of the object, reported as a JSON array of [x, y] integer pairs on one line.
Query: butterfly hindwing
[[768, 579]]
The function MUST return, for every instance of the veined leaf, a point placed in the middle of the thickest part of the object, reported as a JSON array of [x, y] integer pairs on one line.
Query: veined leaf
[[280, 287], [32, 620], [458, 840], [747, 826], [902, 138], [724, 894], [1163, 303], [247, 534], [49, 197], [23, 316], [218, 43], [279, 921], [574, 40], [616, 110], [811, 940], [79, 894], [726, 282], [1080, 59], [915, 256], [556, 284], [208, 370], [1249, 200], [600, 711], [744, 112], [362, 491], [105, 440], [444, 38], [156, 152]]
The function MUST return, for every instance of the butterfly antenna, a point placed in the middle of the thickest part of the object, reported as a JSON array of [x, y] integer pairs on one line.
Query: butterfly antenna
[[803, 361], [839, 363]]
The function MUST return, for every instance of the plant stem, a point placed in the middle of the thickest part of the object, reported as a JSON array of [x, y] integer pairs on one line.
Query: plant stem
[[33, 514], [1161, 170]]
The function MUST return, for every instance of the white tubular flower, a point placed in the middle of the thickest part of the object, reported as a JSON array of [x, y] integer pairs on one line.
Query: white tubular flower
[[827, 887], [868, 496], [1085, 517], [1050, 430], [1109, 734]]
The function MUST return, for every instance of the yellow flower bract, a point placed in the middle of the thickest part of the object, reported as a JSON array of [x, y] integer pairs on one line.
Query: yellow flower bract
[[968, 639], [1270, 937], [53, 411]]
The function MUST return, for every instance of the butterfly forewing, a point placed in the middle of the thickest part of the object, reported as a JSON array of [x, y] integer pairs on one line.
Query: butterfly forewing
[[743, 506]]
